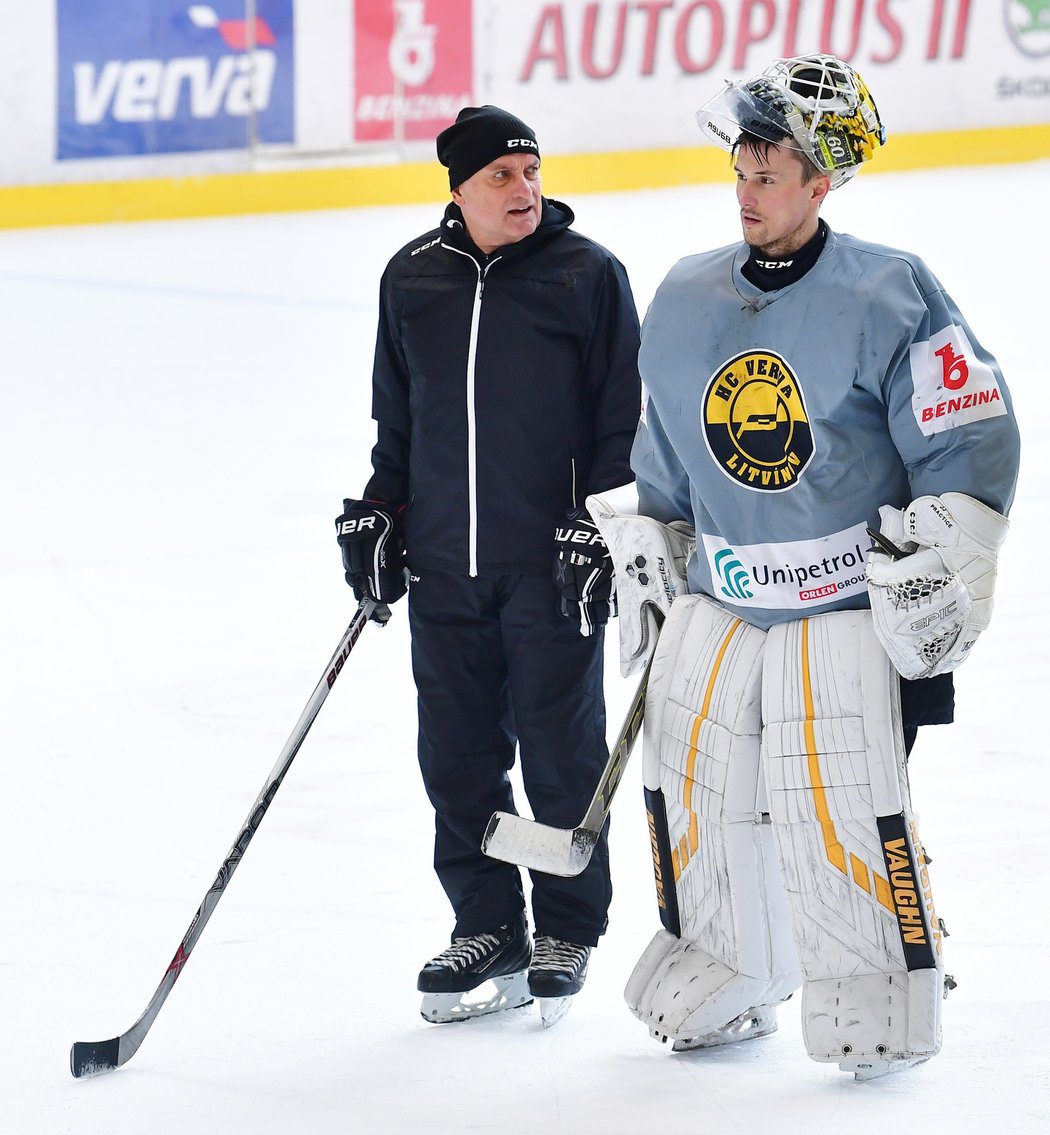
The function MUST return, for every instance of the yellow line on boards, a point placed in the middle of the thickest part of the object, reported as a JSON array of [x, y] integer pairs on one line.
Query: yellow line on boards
[[356, 186]]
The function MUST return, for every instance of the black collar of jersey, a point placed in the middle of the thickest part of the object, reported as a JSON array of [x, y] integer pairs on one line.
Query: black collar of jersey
[[772, 274]]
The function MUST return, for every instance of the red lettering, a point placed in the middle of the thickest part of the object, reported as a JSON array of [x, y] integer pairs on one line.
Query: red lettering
[[694, 36], [933, 44], [791, 30], [885, 17], [826, 44], [962, 23], [966, 402], [745, 35], [653, 10], [551, 17], [590, 21], [681, 36]]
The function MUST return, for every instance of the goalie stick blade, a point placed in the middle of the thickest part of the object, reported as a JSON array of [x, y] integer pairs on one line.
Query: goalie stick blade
[[93, 1057], [539, 847]]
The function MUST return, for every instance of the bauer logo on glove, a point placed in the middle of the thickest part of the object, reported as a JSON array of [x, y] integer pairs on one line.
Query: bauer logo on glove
[[583, 572], [371, 536]]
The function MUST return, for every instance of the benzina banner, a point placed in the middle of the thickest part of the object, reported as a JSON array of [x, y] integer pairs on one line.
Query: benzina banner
[[413, 67], [167, 76]]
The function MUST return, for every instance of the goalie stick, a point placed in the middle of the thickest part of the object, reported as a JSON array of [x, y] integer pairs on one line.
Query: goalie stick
[[89, 1058], [567, 851]]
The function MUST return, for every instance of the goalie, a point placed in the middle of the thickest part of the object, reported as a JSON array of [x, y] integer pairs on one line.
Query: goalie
[[804, 389]]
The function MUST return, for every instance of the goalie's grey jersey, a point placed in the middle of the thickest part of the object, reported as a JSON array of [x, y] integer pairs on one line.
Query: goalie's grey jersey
[[778, 422]]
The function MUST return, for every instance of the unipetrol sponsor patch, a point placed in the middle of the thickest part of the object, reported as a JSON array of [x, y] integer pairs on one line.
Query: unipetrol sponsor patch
[[797, 575], [172, 76], [951, 385], [754, 420]]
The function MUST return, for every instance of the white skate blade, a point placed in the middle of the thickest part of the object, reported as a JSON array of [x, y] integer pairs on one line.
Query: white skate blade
[[872, 1067], [751, 1025], [552, 1009], [539, 847], [499, 993]]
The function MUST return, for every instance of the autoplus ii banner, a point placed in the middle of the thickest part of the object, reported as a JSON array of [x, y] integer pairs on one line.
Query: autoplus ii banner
[[167, 76]]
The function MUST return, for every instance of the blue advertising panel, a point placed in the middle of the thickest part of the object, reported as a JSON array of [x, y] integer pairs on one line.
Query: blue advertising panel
[[168, 76]]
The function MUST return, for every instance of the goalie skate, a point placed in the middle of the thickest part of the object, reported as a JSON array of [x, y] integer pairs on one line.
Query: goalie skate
[[756, 1022], [477, 975], [869, 1068]]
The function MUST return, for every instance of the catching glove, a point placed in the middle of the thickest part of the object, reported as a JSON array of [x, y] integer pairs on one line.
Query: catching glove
[[931, 601], [583, 572], [372, 537]]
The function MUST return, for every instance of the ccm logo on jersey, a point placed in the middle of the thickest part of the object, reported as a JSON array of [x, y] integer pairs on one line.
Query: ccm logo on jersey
[[951, 386], [424, 247]]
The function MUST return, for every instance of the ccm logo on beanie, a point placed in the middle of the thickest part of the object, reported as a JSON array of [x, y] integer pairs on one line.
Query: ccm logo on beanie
[[480, 135]]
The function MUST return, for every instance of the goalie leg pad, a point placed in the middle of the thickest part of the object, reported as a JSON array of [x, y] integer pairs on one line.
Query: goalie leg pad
[[869, 941], [701, 774], [650, 559]]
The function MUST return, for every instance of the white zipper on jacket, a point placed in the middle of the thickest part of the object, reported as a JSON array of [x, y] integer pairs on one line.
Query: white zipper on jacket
[[472, 438]]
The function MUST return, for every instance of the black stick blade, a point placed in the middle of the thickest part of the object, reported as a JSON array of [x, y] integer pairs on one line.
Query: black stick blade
[[93, 1057]]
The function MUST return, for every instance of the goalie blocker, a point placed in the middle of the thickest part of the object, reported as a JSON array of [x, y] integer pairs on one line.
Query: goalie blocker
[[785, 847]]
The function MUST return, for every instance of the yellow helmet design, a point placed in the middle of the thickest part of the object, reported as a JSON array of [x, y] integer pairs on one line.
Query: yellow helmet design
[[813, 103]]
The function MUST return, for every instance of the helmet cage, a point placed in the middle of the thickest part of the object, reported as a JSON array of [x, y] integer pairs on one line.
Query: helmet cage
[[813, 103]]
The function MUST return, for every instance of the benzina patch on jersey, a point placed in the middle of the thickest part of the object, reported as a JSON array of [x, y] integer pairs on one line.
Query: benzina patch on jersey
[[950, 385], [755, 423]]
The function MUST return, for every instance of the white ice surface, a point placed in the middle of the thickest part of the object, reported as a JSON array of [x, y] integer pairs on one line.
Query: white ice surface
[[184, 406]]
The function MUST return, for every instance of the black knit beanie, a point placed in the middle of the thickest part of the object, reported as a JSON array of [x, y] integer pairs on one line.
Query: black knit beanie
[[480, 135]]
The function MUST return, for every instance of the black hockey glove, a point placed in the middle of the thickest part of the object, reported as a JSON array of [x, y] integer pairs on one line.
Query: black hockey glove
[[372, 537], [583, 572]]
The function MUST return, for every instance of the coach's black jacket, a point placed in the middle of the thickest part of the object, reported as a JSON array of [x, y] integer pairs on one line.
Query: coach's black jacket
[[505, 390]]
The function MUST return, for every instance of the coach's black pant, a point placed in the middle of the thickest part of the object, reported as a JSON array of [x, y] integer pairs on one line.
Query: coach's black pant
[[496, 666]]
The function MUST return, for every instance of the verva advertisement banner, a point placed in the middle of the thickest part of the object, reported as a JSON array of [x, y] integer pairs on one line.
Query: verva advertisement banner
[[167, 76], [630, 74], [413, 67]]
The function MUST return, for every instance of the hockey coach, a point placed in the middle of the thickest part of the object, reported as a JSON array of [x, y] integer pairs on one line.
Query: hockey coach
[[505, 390]]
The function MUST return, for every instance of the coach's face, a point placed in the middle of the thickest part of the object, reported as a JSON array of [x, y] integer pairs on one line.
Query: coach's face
[[501, 203]]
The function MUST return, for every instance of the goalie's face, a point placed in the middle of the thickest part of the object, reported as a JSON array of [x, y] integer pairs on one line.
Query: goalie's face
[[778, 208]]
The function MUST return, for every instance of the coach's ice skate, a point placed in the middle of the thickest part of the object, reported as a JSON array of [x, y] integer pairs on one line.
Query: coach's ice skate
[[492, 966], [557, 973]]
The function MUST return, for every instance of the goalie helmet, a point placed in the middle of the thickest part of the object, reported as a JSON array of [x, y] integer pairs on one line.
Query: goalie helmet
[[813, 103]]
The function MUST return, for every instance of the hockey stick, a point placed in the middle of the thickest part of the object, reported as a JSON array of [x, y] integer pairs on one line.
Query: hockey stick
[[89, 1058], [567, 851]]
